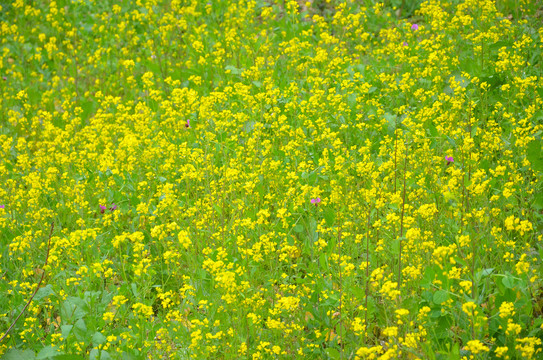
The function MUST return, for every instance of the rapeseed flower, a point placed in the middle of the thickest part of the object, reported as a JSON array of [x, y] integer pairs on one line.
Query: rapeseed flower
[[214, 246]]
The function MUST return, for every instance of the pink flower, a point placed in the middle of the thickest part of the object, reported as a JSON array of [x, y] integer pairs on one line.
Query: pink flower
[[405, 43], [103, 208], [414, 27], [316, 201], [449, 160], [187, 125], [2, 206]]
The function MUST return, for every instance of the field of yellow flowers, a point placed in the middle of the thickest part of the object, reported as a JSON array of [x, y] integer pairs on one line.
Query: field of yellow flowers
[[250, 179]]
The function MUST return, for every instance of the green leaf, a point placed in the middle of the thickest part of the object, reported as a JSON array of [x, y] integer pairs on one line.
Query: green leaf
[[483, 273], [73, 308], [323, 262], [474, 130], [533, 153], [104, 355], [65, 330], [249, 126], [94, 354], [428, 296], [395, 246], [534, 149], [313, 225], [80, 329], [233, 70], [134, 288], [218, 209], [372, 306], [440, 297], [508, 282], [431, 129], [16, 354], [499, 44], [538, 203], [333, 353], [351, 100], [44, 292], [428, 278], [298, 228], [392, 122], [484, 164], [98, 338], [455, 351], [329, 216], [47, 352]]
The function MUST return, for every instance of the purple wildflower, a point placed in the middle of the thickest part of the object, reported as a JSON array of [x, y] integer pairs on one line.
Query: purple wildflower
[[2, 206], [102, 208], [187, 125], [316, 201], [449, 160], [405, 43], [113, 207], [414, 27]]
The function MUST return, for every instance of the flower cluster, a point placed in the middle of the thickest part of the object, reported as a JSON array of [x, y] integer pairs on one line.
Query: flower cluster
[[250, 179]]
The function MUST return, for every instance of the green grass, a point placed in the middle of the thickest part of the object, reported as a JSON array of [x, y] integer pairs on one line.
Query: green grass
[[269, 180]]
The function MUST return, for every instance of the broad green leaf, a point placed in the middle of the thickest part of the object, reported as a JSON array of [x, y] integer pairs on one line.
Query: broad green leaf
[[233, 70], [17, 354], [47, 352], [333, 353], [98, 338], [330, 216], [508, 282], [94, 354], [483, 273], [44, 292], [323, 262], [73, 308], [440, 297], [80, 329], [65, 330], [533, 153], [538, 203]]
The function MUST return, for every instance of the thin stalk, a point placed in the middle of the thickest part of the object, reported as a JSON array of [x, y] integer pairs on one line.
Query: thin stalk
[[340, 287], [482, 53], [37, 287], [463, 188], [395, 157], [474, 247], [367, 269], [401, 221]]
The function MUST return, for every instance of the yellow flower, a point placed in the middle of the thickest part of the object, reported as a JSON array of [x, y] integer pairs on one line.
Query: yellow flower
[[476, 347], [507, 309]]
